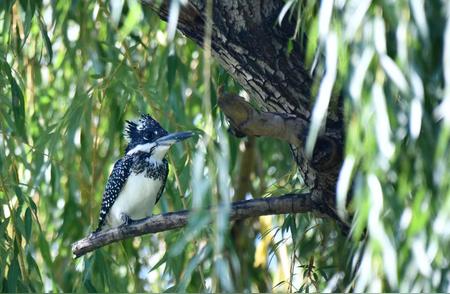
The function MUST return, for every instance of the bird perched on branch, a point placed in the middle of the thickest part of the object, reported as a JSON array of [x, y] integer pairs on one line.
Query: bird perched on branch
[[137, 180]]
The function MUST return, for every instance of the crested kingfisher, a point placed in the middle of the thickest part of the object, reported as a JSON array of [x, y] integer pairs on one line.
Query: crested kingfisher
[[137, 180]]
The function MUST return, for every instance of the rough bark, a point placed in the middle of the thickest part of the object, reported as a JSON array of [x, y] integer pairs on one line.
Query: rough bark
[[247, 41], [290, 203]]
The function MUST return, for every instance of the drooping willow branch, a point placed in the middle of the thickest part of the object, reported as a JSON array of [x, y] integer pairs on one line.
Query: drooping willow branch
[[289, 203]]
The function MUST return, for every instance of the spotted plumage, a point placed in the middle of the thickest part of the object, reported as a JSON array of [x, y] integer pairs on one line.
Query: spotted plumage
[[143, 162], [137, 180], [116, 181]]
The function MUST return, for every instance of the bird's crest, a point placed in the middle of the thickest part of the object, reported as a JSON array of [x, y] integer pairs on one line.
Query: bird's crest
[[146, 129]]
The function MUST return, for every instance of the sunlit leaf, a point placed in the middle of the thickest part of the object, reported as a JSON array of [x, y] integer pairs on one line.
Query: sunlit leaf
[[46, 40], [324, 95], [13, 275], [171, 68], [284, 10], [17, 103], [28, 223], [45, 250]]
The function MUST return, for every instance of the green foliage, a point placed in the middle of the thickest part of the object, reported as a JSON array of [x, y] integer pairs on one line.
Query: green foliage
[[390, 61], [71, 72]]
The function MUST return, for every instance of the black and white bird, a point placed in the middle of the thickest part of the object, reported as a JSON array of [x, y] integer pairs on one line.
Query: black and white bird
[[137, 180]]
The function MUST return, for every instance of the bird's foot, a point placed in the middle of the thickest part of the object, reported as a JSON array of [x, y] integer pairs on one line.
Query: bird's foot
[[126, 220], [94, 233]]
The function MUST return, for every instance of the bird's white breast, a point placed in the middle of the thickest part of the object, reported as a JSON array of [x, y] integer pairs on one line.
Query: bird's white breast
[[136, 199]]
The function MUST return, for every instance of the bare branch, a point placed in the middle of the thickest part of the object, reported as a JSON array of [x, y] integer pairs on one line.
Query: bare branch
[[289, 203]]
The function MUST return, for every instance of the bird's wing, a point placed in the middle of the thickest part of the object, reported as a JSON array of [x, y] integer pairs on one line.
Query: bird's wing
[[116, 181], [164, 180]]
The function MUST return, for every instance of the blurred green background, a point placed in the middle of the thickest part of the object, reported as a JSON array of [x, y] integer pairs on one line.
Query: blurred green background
[[72, 72]]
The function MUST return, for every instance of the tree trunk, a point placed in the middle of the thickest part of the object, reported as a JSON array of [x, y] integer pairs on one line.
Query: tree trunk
[[250, 45]]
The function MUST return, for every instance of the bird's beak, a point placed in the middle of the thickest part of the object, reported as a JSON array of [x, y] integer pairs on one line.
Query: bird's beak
[[173, 138]]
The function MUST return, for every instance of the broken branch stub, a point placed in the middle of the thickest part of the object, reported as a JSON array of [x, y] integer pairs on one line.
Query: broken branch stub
[[245, 119]]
